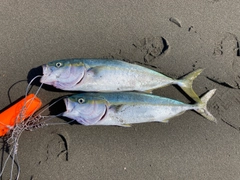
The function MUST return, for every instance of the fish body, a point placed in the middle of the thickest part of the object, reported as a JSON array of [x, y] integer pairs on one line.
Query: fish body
[[125, 108], [104, 75]]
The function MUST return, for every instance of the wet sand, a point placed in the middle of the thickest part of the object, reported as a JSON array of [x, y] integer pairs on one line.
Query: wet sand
[[172, 37]]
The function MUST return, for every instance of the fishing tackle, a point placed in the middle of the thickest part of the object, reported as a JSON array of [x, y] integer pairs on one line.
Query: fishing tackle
[[19, 117], [18, 112]]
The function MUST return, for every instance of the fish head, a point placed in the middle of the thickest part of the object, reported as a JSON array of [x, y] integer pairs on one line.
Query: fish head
[[63, 74], [86, 109]]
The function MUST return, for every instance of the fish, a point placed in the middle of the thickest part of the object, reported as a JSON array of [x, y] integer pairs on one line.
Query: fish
[[126, 108], [109, 75]]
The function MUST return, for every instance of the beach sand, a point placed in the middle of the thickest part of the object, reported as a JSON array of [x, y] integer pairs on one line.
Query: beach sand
[[172, 37]]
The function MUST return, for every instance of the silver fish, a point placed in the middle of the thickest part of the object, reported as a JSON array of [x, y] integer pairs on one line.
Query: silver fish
[[125, 108], [104, 75]]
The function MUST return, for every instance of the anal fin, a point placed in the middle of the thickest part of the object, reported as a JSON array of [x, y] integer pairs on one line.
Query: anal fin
[[165, 121], [125, 125]]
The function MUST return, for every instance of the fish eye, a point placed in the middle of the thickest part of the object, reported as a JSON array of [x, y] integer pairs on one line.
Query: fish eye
[[58, 64], [81, 100]]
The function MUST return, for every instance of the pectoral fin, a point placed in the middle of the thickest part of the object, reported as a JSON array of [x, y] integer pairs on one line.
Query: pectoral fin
[[98, 70], [116, 108]]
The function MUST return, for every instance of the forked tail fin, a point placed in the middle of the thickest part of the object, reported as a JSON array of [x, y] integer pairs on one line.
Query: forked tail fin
[[202, 106], [186, 84]]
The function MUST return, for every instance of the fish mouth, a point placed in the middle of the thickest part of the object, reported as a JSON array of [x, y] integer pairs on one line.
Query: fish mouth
[[67, 104], [45, 73], [45, 70], [65, 78], [85, 120]]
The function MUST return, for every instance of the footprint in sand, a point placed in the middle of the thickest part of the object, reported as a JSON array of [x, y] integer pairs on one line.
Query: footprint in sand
[[227, 61], [152, 47], [57, 147]]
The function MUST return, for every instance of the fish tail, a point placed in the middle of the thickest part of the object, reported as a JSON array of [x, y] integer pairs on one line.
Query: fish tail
[[202, 106], [186, 84]]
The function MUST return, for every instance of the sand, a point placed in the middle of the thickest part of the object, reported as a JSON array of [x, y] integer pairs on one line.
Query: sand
[[172, 37]]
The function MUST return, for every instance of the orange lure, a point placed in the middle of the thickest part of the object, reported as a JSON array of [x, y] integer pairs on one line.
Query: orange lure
[[17, 112]]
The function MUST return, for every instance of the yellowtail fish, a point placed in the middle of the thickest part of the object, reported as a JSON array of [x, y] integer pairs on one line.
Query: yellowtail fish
[[125, 108], [104, 75]]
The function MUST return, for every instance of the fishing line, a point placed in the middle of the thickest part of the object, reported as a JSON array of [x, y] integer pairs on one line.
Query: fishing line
[[34, 121], [51, 105], [38, 117], [17, 131], [5, 163], [27, 91]]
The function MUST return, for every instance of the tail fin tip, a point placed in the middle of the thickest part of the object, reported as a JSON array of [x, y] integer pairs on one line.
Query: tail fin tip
[[186, 84], [203, 106]]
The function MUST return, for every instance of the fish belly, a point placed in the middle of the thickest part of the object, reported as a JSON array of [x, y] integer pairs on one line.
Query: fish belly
[[122, 79], [132, 114]]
